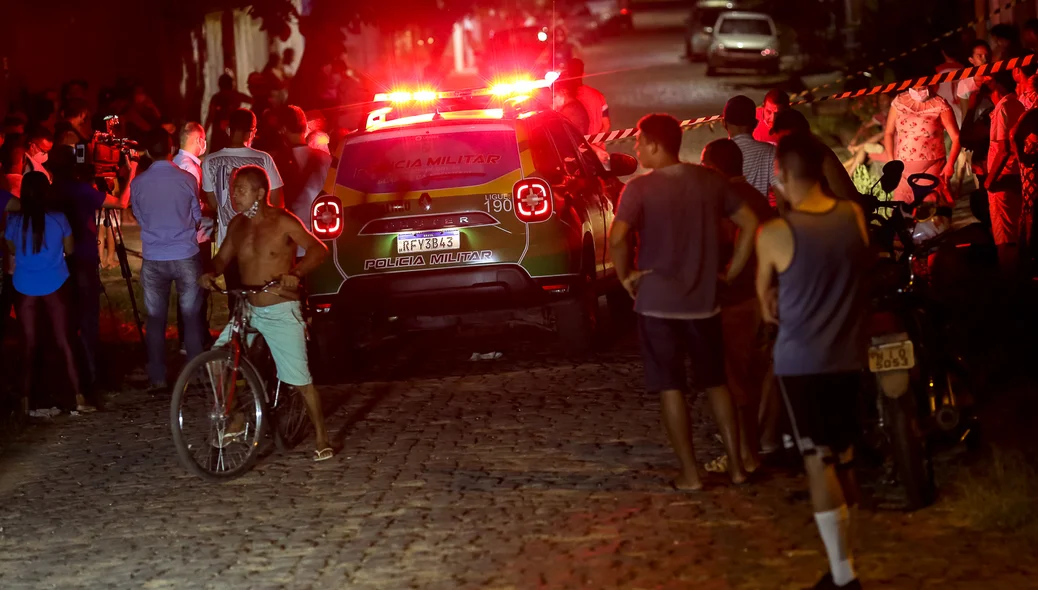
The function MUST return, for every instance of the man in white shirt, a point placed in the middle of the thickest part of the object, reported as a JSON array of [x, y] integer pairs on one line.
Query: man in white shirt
[[980, 54], [218, 167], [188, 159], [192, 146]]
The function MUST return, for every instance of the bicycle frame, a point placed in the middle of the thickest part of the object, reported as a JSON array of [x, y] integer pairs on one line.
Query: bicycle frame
[[238, 322], [239, 329]]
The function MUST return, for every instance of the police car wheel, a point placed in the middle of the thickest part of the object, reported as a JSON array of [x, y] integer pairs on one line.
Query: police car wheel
[[576, 320]]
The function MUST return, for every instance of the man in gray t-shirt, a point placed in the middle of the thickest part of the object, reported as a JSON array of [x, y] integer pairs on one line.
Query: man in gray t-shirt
[[675, 211]]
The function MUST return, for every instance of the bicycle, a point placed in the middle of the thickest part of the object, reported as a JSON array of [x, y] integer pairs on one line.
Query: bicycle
[[227, 389]]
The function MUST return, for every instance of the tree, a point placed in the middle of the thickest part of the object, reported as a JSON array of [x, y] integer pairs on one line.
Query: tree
[[323, 27]]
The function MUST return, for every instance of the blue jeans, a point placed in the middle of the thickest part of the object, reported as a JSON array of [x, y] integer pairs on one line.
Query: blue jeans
[[156, 278]]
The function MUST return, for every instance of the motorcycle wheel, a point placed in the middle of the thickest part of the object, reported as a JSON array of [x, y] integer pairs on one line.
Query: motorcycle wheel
[[908, 447]]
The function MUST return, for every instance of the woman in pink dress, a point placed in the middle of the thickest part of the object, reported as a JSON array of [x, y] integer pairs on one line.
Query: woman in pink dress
[[919, 119]]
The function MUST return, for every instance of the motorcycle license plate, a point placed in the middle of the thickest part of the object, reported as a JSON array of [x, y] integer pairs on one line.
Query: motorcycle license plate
[[896, 356]]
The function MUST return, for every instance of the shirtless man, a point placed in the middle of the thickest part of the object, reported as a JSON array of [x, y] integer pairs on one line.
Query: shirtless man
[[264, 240]]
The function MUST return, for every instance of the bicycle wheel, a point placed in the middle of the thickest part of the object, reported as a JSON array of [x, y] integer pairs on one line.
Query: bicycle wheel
[[289, 416], [291, 420], [215, 442]]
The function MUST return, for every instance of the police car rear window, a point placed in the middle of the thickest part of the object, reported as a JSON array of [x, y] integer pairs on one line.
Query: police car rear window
[[427, 159]]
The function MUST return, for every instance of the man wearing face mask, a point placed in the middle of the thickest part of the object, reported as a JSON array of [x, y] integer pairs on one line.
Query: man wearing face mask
[[263, 241], [919, 119], [40, 144], [188, 158]]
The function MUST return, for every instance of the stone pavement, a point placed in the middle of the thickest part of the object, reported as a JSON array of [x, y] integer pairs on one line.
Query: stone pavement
[[529, 473]]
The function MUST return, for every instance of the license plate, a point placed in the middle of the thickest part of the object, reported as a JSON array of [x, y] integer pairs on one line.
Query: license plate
[[428, 241], [895, 356]]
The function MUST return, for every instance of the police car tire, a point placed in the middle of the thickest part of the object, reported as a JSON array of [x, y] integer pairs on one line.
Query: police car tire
[[576, 320], [326, 350]]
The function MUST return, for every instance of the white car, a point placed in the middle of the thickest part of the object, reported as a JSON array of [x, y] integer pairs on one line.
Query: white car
[[744, 40]]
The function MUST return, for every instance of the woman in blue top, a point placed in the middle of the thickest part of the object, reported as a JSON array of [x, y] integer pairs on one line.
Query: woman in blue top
[[40, 240]]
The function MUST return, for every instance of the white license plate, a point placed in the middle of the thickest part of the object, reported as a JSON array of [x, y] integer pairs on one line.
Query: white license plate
[[428, 241], [895, 356]]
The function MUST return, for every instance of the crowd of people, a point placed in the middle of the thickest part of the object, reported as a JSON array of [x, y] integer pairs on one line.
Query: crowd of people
[[807, 269], [975, 128], [63, 185], [784, 327], [781, 332]]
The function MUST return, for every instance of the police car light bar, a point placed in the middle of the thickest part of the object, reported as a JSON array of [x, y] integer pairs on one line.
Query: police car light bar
[[517, 87], [378, 121]]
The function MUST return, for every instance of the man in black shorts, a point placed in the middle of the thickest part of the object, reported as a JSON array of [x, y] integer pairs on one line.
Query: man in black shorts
[[818, 252], [675, 210]]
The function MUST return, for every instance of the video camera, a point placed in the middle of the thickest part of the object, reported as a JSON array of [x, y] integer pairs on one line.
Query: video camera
[[109, 145]]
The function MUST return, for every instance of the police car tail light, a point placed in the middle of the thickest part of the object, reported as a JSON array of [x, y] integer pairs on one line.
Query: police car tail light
[[326, 217], [532, 200]]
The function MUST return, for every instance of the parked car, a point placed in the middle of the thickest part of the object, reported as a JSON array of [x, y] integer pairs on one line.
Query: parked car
[[589, 21], [744, 40], [700, 30]]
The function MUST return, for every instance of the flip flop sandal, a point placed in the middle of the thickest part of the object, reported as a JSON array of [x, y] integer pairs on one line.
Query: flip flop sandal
[[718, 465], [86, 409], [323, 454]]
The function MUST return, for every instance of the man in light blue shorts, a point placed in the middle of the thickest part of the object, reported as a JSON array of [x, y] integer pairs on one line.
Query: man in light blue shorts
[[264, 240]]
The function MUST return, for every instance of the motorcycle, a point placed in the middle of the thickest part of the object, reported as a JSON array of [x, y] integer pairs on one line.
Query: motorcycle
[[921, 387]]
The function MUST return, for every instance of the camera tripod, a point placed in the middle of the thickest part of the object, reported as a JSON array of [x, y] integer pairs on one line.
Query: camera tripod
[[112, 220]]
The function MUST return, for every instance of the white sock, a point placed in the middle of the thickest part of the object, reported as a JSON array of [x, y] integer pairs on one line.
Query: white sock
[[834, 526]]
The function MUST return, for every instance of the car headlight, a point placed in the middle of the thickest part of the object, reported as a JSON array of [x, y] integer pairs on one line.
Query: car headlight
[[769, 52], [720, 47]]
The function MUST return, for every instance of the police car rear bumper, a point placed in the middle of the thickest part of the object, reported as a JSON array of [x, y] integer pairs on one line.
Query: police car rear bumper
[[454, 291]]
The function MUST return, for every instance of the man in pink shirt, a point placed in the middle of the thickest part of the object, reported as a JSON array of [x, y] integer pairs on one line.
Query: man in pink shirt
[[593, 100], [1003, 180]]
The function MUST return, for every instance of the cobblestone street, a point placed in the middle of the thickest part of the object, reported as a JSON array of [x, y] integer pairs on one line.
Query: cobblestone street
[[528, 472], [515, 474]]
